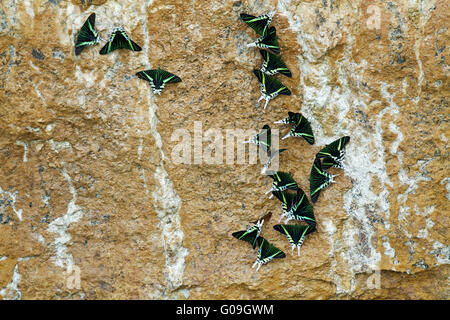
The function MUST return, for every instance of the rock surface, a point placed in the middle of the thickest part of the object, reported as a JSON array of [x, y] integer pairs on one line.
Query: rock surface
[[89, 185]]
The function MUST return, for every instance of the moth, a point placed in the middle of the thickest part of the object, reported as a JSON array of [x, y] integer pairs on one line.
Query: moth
[[318, 180], [268, 41], [270, 156], [273, 64], [329, 162], [296, 207], [251, 234], [266, 252], [282, 181], [301, 128], [158, 78], [260, 23], [119, 40], [295, 234], [87, 36], [270, 87], [334, 152], [292, 118], [264, 140]]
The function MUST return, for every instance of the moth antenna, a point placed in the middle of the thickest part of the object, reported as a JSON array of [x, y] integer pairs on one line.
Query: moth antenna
[[259, 266], [248, 141], [279, 121], [271, 196], [298, 251], [251, 45], [292, 252], [265, 105], [271, 189], [260, 223]]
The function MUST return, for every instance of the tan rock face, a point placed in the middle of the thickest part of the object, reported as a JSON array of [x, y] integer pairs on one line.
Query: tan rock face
[[95, 205]]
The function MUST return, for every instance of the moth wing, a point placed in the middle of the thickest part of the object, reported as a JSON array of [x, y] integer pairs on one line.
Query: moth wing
[[259, 24], [316, 179], [87, 34], [168, 77]]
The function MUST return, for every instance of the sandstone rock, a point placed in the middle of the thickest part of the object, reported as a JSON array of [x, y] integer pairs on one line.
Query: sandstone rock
[[89, 187]]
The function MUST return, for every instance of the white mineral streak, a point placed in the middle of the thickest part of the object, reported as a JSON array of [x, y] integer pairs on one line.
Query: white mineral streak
[[8, 198], [131, 14], [12, 291], [60, 225], [365, 154], [167, 201], [364, 159]]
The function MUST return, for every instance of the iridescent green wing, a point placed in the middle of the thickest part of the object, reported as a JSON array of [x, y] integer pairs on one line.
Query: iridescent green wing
[[250, 235], [87, 36], [335, 149], [270, 87], [275, 87], [158, 78], [292, 118], [259, 24], [273, 64], [119, 40], [264, 138], [283, 181], [269, 41], [302, 209], [294, 233], [302, 128], [286, 199], [329, 162], [318, 180], [272, 155], [267, 252]]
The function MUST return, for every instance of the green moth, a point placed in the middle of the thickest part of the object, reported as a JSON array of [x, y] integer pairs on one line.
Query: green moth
[[295, 234], [87, 36], [251, 234], [334, 151], [119, 40], [260, 23], [302, 128], [263, 138], [273, 64], [282, 181], [270, 87], [268, 41], [158, 78], [318, 180], [266, 253]]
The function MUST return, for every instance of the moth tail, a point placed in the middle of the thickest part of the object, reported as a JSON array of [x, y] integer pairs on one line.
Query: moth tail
[[286, 136]]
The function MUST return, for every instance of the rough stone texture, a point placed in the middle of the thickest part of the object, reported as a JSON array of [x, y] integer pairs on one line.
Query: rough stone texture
[[88, 179]]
